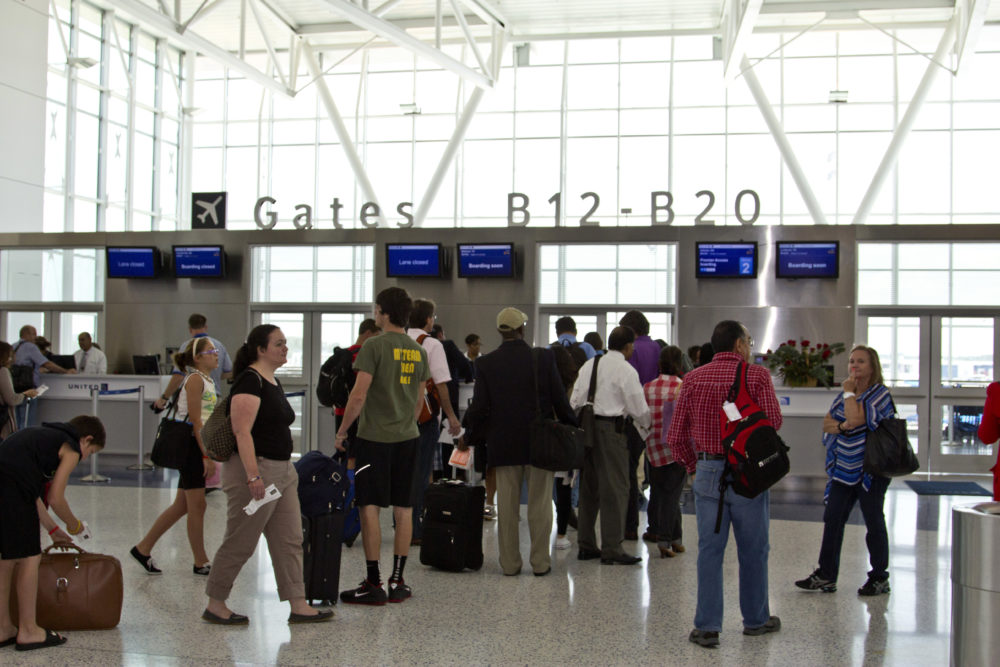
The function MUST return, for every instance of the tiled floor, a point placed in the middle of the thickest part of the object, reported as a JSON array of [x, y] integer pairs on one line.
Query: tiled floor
[[583, 613]]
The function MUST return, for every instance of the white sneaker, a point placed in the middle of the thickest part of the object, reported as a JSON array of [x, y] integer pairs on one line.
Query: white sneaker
[[490, 512], [562, 543]]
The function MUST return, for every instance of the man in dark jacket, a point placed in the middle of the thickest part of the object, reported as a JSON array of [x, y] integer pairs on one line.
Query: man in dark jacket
[[503, 405]]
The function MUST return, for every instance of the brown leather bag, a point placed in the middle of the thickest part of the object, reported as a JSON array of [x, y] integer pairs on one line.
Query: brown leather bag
[[77, 590]]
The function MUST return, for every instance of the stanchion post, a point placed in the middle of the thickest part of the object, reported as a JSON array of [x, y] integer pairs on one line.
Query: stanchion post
[[141, 465], [94, 477]]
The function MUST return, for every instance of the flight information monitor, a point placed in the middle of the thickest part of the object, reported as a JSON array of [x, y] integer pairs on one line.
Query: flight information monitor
[[133, 262], [412, 260], [812, 259], [199, 261], [727, 260], [485, 260]]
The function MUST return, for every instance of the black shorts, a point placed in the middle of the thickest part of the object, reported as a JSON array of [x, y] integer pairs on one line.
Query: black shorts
[[19, 533], [193, 470], [383, 472]]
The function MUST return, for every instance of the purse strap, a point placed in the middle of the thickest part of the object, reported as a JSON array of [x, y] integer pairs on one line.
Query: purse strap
[[534, 376], [592, 391]]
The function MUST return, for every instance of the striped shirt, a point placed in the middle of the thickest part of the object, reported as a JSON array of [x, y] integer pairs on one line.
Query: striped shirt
[[845, 452], [659, 393]]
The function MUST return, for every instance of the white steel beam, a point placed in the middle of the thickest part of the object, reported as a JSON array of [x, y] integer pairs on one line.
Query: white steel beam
[[468, 38], [338, 126], [487, 13], [400, 37], [971, 15], [906, 123], [448, 157], [267, 43], [158, 22], [737, 27], [203, 10], [774, 125]]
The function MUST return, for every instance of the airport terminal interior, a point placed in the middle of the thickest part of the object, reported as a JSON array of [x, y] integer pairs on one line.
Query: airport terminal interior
[[819, 170]]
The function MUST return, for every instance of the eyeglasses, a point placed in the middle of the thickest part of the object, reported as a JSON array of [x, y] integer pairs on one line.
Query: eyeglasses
[[749, 340], [212, 351]]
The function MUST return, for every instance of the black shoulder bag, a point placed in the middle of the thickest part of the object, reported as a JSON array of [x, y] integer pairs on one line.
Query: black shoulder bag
[[551, 444], [172, 445], [888, 452], [586, 415]]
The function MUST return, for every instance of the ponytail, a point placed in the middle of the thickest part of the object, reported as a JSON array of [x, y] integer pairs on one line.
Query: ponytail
[[184, 359], [249, 351]]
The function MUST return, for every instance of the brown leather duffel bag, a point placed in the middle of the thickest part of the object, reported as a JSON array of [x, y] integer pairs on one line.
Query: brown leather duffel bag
[[77, 590]]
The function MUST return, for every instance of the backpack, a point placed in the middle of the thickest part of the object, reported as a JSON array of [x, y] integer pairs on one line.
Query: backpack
[[756, 456], [22, 376], [432, 399], [336, 378], [569, 359], [323, 484]]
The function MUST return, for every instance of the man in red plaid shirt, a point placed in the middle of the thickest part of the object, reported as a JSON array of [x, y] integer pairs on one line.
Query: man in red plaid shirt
[[697, 416]]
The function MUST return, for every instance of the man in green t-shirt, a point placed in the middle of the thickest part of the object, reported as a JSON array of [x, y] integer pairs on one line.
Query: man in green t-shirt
[[392, 372]]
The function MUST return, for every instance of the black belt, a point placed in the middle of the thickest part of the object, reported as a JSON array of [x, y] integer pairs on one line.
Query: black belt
[[619, 421], [705, 456]]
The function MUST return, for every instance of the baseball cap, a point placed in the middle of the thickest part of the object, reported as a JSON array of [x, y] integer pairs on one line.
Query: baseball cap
[[510, 319]]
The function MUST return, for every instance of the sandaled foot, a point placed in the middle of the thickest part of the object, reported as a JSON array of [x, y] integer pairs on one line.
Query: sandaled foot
[[51, 639], [10, 641]]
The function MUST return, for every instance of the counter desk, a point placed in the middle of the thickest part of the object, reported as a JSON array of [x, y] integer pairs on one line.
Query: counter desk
[[70, 395], [802, 411]]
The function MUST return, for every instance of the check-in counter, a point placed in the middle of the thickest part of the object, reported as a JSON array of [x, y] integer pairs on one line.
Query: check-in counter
[[70, 395], [802, 411]]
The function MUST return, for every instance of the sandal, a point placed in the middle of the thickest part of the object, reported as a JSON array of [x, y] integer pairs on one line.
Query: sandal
[[51, 639], [10, 641]]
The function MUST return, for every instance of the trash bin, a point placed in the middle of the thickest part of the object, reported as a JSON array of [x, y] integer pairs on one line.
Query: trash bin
[[975, 584]]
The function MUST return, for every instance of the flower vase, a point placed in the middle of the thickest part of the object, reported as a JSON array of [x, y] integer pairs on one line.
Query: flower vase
[[801, 382]]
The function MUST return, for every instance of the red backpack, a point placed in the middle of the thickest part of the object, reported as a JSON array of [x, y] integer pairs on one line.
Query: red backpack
[[756, 456]]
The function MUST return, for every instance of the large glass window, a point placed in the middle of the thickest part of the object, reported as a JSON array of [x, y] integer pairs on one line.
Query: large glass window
[[313, 274], [74, 275], [601, 274], [928, 274], [897, 341]]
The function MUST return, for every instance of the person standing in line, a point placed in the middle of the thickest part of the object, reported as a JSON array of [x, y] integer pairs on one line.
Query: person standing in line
[[666, 476], [989, 430], [387, 397], [864, 402], [473, 344], [595, 341], [10, 399], [366, 330], [514, 383], [604, 484], [421, 322], [644, 359], [89, 359], [195, 404], [26, 353], [28, 459], [261, 417], [695, 440], [198, 328]]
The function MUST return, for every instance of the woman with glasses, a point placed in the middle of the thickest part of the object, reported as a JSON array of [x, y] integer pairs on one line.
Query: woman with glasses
[[195, 403]]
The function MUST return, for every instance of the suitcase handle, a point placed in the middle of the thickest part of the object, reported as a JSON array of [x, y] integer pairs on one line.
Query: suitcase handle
[[64, 546]]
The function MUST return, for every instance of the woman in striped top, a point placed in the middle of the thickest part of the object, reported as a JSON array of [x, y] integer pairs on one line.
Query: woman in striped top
[[864, 403]]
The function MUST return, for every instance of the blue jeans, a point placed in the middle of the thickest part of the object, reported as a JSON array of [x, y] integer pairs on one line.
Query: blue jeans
[[751, 523], [428, 442]]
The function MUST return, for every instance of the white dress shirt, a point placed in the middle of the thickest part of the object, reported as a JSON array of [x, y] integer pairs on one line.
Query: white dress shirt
[[91, 362], [618, 389]]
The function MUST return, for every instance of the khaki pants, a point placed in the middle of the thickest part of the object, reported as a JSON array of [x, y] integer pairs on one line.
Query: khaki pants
[[604, 489], [509, 480], [280, 521]]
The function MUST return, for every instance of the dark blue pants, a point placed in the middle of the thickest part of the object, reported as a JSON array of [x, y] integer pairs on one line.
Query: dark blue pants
[[429, 432], [838, 508]]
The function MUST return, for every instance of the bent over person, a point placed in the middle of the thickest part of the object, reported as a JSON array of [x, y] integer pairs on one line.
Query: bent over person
[[697, 416], [388, 391]]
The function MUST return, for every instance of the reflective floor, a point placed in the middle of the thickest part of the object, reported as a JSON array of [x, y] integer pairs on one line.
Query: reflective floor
[[582, 613]]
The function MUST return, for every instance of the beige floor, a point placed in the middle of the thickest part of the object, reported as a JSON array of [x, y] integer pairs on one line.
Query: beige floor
[[583, 613]]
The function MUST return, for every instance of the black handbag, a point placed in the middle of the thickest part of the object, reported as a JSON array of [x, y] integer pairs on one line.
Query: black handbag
[[888, 452], [172, 445], [586, 415], [551, 444]]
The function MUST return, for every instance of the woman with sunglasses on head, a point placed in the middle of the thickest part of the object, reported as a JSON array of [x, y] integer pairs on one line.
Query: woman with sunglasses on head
[[195, 403]]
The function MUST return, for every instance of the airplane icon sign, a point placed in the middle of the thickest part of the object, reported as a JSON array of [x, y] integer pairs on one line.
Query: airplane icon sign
[[212, 207], [209, 210]]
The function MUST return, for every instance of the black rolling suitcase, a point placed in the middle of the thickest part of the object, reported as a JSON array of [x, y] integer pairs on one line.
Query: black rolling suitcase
[[453, 526], [322, 539]]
